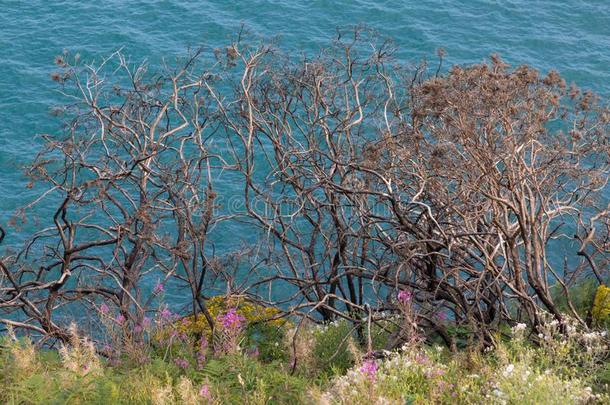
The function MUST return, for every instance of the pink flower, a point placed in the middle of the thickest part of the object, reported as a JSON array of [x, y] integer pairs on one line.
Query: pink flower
[[166, 313], [441, 316], [434, 373], [182, 363], [231, 325], [369, 369], [231, 319], [201, 352], [203, 344], [146, 322], [200, 360], [159, 288], [104, 308], [204, 392], [119, 319], [421, 358], [404, 296]]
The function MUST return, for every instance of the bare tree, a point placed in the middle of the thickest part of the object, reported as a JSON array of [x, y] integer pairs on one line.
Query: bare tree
[[374, 178], [132, 172]]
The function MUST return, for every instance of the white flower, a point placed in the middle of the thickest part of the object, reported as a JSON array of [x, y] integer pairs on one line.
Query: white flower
[[518, 328], [508, 371]]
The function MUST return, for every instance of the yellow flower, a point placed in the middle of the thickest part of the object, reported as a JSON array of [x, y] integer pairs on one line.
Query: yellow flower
[[601, 304], [252, 313]]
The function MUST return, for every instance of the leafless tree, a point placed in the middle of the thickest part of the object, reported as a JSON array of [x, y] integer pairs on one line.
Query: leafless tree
[[132, 174], [374, 178]]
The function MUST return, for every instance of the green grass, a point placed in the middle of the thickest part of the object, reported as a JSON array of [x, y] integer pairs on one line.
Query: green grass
[[573, 369]]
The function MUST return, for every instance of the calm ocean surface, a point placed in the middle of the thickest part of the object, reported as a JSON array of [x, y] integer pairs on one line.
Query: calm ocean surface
[[571, 36]]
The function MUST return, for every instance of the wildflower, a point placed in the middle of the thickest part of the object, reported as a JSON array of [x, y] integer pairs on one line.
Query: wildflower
[[204, 392], [441, 316], [182, 363], [404, 296], [166, 313], [498, 393], [104, 308], [421, 358], [159, 288], [231, 324], [434, 373], [200, 361], [508, 371], [146, 322], [520, 327], [231, 319], [369, 369], [120, 319]]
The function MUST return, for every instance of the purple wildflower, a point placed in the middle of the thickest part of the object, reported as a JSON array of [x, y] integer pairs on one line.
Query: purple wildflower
[[159, 288], [231, 325], [204, 392], [404, 296], [421, 358], [369, 369], [201, 352], [104, 308], [203, 344], [166, 313], [434, 373], [182, 363], [200, 360], [119, 319], [231, 319]]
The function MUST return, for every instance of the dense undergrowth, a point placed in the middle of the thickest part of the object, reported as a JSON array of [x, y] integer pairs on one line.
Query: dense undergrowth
[[255, 358]]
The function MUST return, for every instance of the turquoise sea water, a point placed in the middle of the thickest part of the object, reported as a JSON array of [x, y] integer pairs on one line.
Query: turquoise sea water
[[570, 36]]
